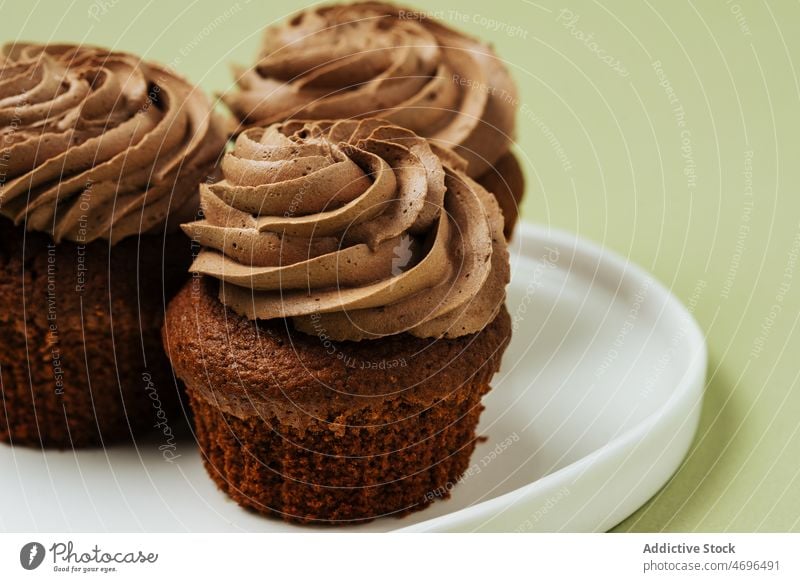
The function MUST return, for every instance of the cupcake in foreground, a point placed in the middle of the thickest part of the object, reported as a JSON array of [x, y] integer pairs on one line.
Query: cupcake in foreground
[[347, 319], [374, 59], [101, 156]]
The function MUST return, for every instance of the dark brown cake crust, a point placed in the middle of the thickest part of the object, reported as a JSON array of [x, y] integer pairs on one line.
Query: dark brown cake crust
[[81, 361], [328, 432]]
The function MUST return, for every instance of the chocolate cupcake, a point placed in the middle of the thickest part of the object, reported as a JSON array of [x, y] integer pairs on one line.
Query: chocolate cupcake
[[347, 317], [378, 60], [101, 155]]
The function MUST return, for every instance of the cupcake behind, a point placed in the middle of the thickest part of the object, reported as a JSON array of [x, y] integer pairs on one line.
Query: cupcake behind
[[376, 59], [101, 157]]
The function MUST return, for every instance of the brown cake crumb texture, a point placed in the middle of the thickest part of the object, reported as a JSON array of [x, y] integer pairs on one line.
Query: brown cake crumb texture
[[69, 378], [319, 432]]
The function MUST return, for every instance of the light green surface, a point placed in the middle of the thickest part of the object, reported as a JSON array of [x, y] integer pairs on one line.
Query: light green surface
[[607, 157]]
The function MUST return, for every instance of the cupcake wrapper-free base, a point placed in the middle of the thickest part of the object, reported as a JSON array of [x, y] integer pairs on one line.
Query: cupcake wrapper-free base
[[315, 431], [270, 468], [67, 380]]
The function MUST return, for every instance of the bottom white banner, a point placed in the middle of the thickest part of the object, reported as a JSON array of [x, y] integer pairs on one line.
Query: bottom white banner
[[332, 556]]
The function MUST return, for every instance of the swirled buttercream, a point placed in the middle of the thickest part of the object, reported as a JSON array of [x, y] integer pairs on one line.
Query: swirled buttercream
[[378, 60], [98, 144], [353, 229]]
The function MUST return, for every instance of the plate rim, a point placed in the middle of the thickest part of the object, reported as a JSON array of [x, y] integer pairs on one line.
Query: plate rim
[[689, 388]]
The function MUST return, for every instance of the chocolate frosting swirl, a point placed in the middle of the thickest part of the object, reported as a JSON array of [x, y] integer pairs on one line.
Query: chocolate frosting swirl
[[377, 60], [97, 144], [354, 230]]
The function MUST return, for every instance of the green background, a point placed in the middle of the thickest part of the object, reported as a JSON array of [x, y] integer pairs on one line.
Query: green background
[[689, 167]]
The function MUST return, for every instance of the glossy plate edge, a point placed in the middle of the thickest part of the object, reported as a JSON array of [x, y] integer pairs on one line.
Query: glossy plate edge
[[632, 467]]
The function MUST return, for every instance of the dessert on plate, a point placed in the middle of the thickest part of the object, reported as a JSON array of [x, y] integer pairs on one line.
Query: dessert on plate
[[375, 59], [101, 154], [346, 318]]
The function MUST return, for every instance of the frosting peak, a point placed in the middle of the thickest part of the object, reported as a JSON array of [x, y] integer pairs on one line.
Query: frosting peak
[[353, 229], [377, 60], [97, 144]]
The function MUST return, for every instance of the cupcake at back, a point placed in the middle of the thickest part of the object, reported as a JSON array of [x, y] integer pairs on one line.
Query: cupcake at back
[[375, 59], [101, 156], [348, 319]]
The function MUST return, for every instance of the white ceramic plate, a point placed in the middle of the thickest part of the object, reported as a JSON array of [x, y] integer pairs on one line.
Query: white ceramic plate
[[594, 408]]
